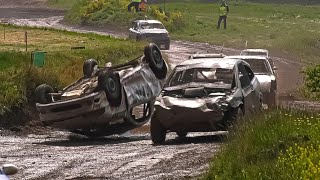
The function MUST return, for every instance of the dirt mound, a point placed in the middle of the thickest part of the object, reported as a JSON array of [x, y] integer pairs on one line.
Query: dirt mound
[[23, 3]]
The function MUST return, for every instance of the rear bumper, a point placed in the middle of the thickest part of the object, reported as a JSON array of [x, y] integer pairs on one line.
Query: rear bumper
[[188, 119], [84, 112]]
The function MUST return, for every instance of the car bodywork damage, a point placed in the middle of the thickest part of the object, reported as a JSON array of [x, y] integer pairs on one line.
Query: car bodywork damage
[[105, 97], [210, 97]]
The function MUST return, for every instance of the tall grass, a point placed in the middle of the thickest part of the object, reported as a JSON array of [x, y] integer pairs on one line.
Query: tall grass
[[263, 147]]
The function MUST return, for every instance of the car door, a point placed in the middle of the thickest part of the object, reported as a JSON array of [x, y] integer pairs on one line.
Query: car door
[[134, 30], [247, 88], [255, 87]]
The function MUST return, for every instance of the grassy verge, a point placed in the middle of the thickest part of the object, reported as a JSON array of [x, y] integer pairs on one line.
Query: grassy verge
[[62, 65], [277, 145]]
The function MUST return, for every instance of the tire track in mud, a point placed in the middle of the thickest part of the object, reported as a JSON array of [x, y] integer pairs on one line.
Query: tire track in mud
[[59, 155]]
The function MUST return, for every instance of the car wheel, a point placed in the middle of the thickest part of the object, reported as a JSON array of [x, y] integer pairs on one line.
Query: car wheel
[[271, 102], [88, 67], [140, 114], [167, 46], [158, 132], [109, 82], [154, 58], [182, 134], [233, 116], [42, 94]]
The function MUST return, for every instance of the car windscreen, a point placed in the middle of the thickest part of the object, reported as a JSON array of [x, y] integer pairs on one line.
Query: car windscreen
[[259, 66], [252, 53], [214, 77], [151, 26]]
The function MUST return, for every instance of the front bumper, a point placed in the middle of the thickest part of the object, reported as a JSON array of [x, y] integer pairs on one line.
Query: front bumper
[[188, 119]]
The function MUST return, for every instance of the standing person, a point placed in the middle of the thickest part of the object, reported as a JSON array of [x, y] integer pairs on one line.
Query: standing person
[[223, 12], [134, 3]]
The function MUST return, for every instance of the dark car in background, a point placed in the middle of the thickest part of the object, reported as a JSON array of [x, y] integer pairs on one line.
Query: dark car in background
[[152, 31], [202, 95]]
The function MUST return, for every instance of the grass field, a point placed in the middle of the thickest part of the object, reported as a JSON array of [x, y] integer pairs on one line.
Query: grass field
[[286, 30], [290, 30], [62, 65]]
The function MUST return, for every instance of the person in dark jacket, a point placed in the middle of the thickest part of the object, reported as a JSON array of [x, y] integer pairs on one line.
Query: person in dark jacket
[[134, 3], [223, 12]]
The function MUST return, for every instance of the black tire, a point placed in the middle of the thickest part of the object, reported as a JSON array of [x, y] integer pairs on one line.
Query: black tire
[[167, 46], [42, 95], [158, 132], [233, 116], [147, 113], [182, 134], [153, 56], [271, 101], [109, 82], [88, 67]]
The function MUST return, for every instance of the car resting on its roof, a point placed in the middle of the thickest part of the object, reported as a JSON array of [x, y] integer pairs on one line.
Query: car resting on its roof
[[205, 95], [102, 102]]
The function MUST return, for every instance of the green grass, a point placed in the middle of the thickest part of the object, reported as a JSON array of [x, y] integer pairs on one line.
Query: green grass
[[266, 147], [289, 30], [64, 4], [62, 65]]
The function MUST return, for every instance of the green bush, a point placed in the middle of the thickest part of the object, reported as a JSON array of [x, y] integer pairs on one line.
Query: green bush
[[114, 12], [311, 87]]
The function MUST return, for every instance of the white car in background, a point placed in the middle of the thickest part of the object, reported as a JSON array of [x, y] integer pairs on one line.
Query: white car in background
[[259, 52], [262, 69]]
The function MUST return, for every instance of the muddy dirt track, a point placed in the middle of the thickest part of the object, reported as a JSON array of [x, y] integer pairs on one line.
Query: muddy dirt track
[[62, 155]]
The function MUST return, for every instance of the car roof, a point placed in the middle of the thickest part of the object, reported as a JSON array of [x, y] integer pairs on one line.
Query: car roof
[[255, 50], [246, 57], [207, 55], [211, 63], [148, 21]]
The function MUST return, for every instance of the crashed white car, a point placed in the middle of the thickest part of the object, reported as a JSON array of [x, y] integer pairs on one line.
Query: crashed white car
[[202, 95], [151, 31], [266, 76], [103, 101]]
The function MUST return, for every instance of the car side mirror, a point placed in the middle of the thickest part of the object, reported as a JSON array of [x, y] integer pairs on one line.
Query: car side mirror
[[275, 68], [9, 169]]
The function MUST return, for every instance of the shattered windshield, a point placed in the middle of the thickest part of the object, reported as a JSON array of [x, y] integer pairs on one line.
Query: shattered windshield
[[251, 53], [258, 66], [213, 77], [151, 26]]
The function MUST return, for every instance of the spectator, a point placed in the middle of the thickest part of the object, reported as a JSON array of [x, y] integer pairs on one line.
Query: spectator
[[223, 12], [134, 3]]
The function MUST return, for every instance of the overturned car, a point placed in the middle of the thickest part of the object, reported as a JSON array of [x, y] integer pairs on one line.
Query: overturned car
[[205, 95], [105, 100]]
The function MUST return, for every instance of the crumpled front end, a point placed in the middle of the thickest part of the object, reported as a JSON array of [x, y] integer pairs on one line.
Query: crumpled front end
[[186, 114]]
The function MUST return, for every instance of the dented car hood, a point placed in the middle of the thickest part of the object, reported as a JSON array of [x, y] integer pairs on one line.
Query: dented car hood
[[218, 101]]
